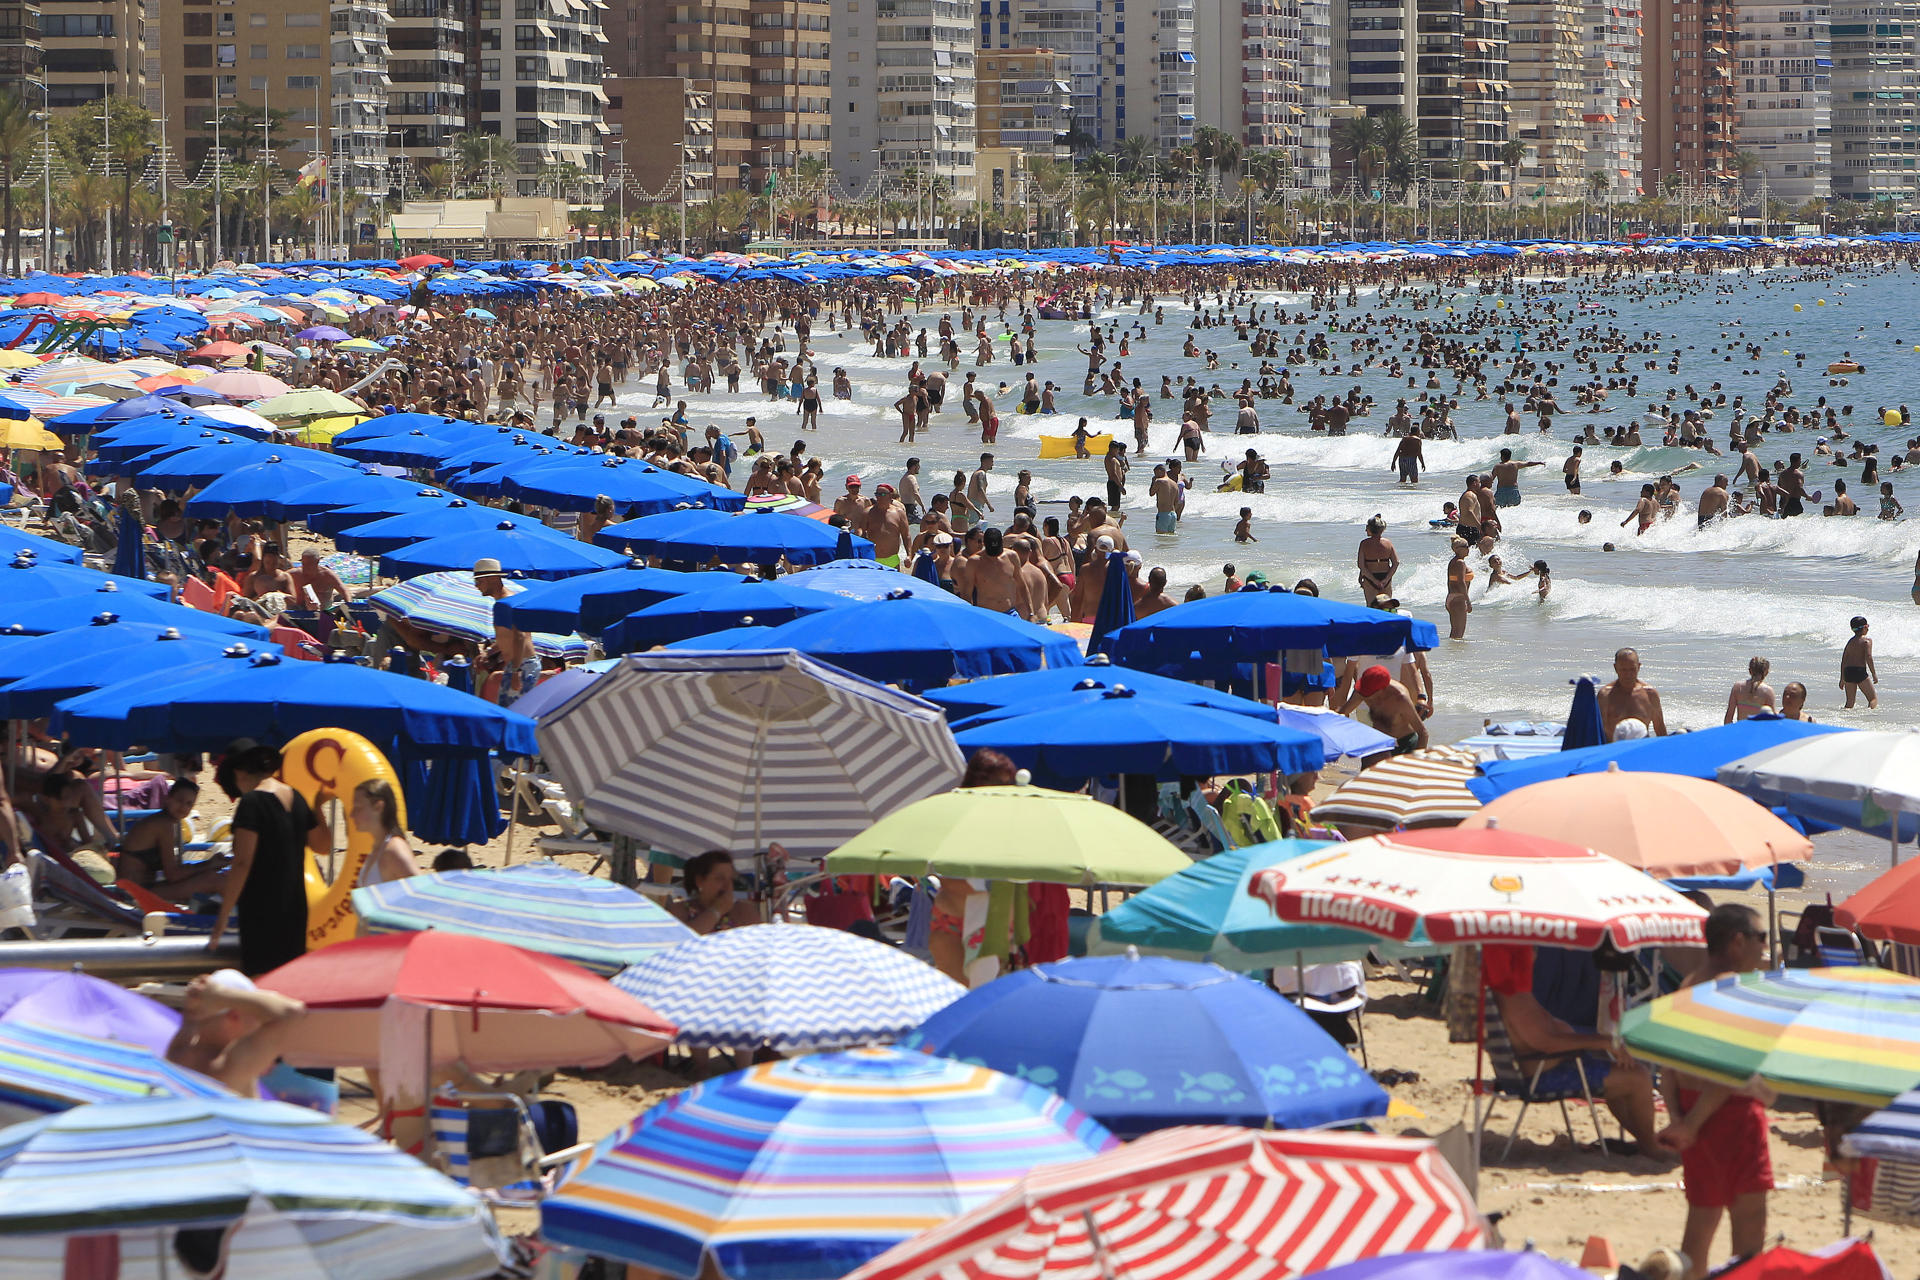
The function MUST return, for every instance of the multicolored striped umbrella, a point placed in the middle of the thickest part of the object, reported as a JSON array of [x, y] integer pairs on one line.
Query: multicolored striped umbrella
[[598, 925], [1421, 789], [448, 601], [789, 987], [43, 1071], [1846, 1035], [1205, 1204], [803, 1170], [309, 1197]]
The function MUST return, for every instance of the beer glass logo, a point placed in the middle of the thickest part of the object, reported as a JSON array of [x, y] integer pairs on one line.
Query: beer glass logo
[[1507, 883]]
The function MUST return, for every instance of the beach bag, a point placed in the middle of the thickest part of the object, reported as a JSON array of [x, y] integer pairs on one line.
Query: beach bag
[[16, 899]]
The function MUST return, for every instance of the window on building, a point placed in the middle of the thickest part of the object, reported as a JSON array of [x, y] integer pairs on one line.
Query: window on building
[[303, 19], [196, 24], [298, 51], [258, 84], [225, 54], [258, 51], [256, 19]]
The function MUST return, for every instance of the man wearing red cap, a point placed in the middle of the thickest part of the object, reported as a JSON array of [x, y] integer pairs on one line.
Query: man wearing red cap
[[1392, 709]]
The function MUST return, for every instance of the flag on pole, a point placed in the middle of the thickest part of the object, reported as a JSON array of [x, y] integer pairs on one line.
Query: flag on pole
[[314, 172]]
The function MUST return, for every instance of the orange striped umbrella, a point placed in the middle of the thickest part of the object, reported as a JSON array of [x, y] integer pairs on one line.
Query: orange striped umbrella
[[1420, 789]]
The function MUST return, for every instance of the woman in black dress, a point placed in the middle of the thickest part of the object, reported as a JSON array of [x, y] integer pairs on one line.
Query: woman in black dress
[[272, 827]]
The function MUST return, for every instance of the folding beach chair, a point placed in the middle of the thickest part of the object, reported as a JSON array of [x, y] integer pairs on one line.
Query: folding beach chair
[[505, 1146], [1521, 1078]]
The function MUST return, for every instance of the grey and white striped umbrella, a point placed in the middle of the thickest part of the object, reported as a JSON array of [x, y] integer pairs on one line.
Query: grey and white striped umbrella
[[733, 750]]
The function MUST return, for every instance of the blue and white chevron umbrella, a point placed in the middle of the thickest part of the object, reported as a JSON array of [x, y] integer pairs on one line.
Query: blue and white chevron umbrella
[[693, 750], [792, 988], [1889, 1134]]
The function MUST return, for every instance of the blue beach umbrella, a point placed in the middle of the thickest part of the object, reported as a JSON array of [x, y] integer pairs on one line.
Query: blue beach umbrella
[[388, 502], [1584, 725], [350, 489], [201, 465], [129, 552], [742, 602], [417, 448], [1691, 755], [1113, 731], [46, 1069], [1223, 1050], [1001, 695], [27, 579], [1116, 604], [698, 535], [1206, 912], [594, 923], [459, 803], [68, 613], [871, 580], [573, 483], [914, 642], [88, 666], [594, 601], [399, 424], [1254, 625], [14, 542], [247, 491], [451, 518], [532, 552]]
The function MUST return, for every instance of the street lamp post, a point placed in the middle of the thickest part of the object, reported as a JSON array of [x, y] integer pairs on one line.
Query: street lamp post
[[46, 173], [620, 187]]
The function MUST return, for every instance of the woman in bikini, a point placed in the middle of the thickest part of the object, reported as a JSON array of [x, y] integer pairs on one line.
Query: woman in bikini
[[1378, 562], [1751, 696], [1459, 578]]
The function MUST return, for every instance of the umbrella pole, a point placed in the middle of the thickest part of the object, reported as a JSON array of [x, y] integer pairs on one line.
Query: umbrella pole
[[1300, 978], [513, 807]]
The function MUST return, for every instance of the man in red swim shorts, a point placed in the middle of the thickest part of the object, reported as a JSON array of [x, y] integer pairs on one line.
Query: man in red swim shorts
[[1721, 1133]]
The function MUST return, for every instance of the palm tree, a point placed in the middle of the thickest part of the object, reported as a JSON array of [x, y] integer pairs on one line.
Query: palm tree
[[300, 207], [17, 139], [1399, 150], [487, 161], [1135, 153], [86, 197], [129, 154]]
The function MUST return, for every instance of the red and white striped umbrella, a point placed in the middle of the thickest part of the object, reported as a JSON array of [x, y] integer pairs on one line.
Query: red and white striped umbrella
[[1420, 789], [1481, 884], [1204, 1204]]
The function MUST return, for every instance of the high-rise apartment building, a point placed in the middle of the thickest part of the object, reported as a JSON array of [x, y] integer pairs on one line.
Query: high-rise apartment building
[[1131, 68], [427, 70], [1612, 114], [661, 131], [1267, 78], [1373, 58], [358, 96], [1021, 102], [1875, 84], [1688, 75], [92, 48], [1461, 94], [20, 46], [551, 107], [1547, 70], [273, 54], [1784, 122], [903, 92]]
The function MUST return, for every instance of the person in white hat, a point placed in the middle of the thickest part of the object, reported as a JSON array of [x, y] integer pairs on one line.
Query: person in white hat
[[519, 668]]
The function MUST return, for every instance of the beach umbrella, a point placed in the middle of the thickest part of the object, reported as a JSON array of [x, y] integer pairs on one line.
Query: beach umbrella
[[1254, 625], [418, 448], [999, 696], [28, 579], [1892, 1133], [871, 580], [204, 706], [1845, 1035], [198, 467], [1098, 732], [776, 745], [45, 1069], [348, 490], [247, 490], [1694, 755], [323, 430], [1426, 788], [386, 501], [600, 926], [1584, 726], [574, 482], [699, 534], [792, 988], [555, 691], [1116, 603], [1662, 823], [322, 333], [1339, 735], [70, 613], [1873, 774], [31, 433], [239, 1185], [449, 602], [99, 655], [460, 801], [916, 643], [1224, 1049], [130, 550], [1205, 912], [1206, 1203], [14, 542], [244, 384], [593, 601], [534, 552], [485, 1004], [734, 603], [1887, 909], [307, 402], [1485, 885], [77, 1003], [450, 518], [1467, 1264], [1011, 833], [1843, 1260], [804, 1169]]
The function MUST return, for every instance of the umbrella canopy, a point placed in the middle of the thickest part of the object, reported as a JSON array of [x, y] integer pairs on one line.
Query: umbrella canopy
[[575, 482], [1224, 1049], [200, 466], [85, 667], [450, 602], [313, 1198], [1425, 788], [1468, 1264], [1205, 912], [790, 988], [361, 510], [28, 579], [1096, 732], [205, 706], [1694, 755], [1886, 910], [1662, 823], [1482, 886], [1206, 1204], [349, 491], [1012, 833], [307, 402], [1252, 626], [244, 384], [776, 745], [1584, 726], [423, 448], [73, 612], [1339, 735], [533, 552], [1011, 693], [1116, 603], [491, 1006], [733, 603], [757, 537], [1889, 1134], [29, 655], [14, 542], [804, 1169], [45, 1069], [1846, 1035], [922, 644], [1878, 771], [593, 601], [247, 490], [600, 926], [871, 580], [451, 518], [75, 1002]]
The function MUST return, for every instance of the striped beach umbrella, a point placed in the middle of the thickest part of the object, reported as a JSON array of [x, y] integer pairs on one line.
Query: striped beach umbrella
[[44, 1070], [1205, 1204], [1420, 789], [776, 745], [448, 601], [270, 1189], [600, 926], [804, 1169], [1889, 1134], [1846, 1035], [788, 987]]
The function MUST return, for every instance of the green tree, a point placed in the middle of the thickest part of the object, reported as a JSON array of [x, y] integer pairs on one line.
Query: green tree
[[486, 162], [18, 140]]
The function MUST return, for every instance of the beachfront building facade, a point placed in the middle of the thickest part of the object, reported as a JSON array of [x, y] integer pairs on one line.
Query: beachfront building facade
[[358, 93], [1372, 56], [1021, 102], [427, 74], [1462, 105], [1612, 115], [1690, 137], [904, 101], [1785, 128], [1875, 86], [551, 107], [660, 139], [1546, 59], [1266, 78], [92, 48], [1130, 64]]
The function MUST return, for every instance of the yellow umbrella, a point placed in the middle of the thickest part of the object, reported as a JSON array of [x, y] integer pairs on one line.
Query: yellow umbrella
[[323, 430], [14, 358], [27, 433]]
